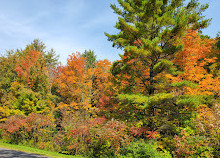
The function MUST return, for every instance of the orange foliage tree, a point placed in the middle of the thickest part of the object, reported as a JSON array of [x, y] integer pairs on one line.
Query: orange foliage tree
[[192, 61], [32, 71], [73, 82], [102, 87], [82, 87]]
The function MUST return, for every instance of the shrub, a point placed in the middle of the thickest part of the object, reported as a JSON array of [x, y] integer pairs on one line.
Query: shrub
[[143, 149], [95, 137], [192, 146], [31, 129]]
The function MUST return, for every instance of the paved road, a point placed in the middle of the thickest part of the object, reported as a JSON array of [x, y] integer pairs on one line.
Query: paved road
[[6, 153]]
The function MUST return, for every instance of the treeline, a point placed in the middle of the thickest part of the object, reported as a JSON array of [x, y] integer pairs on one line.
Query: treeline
[[161, 99]]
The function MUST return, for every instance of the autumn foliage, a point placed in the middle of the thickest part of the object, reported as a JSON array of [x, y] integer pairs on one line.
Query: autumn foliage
[[82, 87], [32, 70], [94, 108], [193, 61]]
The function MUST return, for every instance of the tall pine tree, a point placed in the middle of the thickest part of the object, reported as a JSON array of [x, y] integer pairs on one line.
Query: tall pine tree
[[151, 33]]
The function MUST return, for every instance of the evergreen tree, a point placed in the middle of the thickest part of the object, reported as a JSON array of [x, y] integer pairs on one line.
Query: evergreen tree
[[90, 58], [151, 33]]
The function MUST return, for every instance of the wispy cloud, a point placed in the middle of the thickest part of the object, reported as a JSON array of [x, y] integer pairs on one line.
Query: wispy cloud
[[67, 25]]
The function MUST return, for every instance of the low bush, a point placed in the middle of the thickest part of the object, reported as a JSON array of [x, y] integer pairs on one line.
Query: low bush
[[188, 145], [77, 135], [142, 149]]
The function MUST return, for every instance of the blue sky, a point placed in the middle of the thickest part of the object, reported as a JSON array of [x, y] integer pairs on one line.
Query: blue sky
[[68, 26]]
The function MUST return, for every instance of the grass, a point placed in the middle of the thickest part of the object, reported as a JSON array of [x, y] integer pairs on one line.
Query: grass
[[35, 151]]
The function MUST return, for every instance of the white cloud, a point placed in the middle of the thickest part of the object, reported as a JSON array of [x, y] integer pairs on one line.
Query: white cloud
[[66, 26]]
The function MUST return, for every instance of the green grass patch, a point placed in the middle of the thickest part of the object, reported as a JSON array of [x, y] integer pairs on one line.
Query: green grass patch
[[35, 151]]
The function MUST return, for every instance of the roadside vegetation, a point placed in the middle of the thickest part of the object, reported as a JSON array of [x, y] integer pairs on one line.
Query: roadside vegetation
[[161, 99]]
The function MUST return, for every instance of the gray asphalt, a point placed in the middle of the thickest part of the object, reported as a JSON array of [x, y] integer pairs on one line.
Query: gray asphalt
[[17, 154]]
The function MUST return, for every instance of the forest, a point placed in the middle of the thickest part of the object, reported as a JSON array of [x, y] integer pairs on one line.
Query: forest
[[160, 100]]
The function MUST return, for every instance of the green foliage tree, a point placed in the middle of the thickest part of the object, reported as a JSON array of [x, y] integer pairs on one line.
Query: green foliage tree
[[151, 33], [8, 74], [151, 30], [90, 58], [7, 77]]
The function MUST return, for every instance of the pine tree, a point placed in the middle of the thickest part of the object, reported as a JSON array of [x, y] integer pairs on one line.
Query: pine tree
[[150, 31], [151, 34], [90, 58]]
